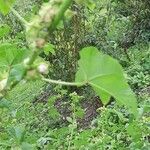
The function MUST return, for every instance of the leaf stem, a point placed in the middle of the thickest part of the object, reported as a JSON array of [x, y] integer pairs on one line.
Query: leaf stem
[[63, 82]]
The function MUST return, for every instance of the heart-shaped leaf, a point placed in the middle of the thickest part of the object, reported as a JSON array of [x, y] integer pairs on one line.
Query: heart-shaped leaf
[[106, 77]]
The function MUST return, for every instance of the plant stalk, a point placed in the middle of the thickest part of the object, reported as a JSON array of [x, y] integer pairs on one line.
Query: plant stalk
[[63, 82]]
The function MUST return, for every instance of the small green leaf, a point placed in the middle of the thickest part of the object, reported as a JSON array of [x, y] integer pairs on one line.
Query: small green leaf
[[49, 48], [4, 30], [106, 77], [5, 6]]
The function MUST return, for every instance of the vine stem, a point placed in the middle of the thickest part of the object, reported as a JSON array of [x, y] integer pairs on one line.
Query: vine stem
[[63, 82], [25, 23]]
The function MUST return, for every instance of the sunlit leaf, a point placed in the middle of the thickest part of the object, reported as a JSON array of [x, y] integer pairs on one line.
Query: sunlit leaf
[[49, 48], [5, 6], [106, 77], [4, 30]]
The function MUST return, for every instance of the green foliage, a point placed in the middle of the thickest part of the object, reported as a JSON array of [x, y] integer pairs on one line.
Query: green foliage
[[111, 129], [138, 69], [33, 117]]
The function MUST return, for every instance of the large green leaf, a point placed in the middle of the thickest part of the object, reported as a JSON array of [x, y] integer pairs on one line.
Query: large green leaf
[[106, 77], [5, 6]]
